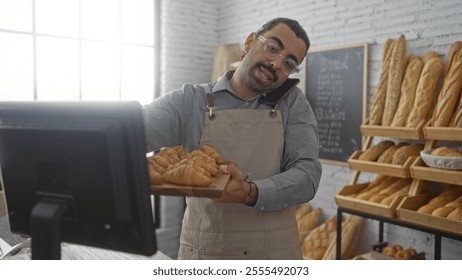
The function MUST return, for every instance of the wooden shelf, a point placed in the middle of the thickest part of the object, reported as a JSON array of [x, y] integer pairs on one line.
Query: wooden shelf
[[415, 133], [407, 211], [343, 200], [402, 171], [443, 133], [420, 171]]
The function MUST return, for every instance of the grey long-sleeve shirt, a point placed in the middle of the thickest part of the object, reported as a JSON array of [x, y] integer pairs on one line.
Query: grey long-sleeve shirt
[[177, 118]]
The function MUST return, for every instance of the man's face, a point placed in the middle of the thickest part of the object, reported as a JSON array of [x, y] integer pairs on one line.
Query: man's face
[[264, 74]]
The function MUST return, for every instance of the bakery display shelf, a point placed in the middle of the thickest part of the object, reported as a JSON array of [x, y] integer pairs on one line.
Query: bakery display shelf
[[344, 200], [407, 212], [442, 133], [415, 133], [421, 171], [402, 171]]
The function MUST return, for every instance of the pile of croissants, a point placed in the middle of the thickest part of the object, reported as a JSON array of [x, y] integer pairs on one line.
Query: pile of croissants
[[176, 166]]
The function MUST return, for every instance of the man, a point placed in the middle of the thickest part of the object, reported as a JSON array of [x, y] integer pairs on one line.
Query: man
[[256, 117]]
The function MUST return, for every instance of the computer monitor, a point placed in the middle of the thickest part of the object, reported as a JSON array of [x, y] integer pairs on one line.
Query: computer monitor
[[77, 172]]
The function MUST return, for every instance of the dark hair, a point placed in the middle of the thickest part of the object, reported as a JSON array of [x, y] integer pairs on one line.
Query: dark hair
[[293, 25]]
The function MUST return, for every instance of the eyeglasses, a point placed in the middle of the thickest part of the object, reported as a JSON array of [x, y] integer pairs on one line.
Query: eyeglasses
[[273, 50]]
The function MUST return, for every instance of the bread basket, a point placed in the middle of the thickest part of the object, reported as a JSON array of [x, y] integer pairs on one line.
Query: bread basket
[[444, 162]]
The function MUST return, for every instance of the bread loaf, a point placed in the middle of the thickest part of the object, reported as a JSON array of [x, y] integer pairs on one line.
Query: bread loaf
[[395, 78], [378, 104], [387, 156], [446, 152], [450, 93], [403, 153], [408, 89], [373, 153], [425, 92]]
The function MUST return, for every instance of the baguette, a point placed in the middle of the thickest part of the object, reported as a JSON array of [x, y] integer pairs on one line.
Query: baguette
[[450, 93], [425, 92], [408, 89], [455, 48], [429, 55], [380, 94], [395, 78]]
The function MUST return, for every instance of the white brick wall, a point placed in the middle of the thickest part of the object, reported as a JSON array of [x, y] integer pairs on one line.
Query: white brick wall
[[193, 29]]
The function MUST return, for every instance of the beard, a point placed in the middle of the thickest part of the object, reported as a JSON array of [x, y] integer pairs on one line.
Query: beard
[[253, 82]]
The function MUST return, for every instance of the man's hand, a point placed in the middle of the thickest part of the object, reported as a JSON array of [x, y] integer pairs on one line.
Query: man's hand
[[237, 189]]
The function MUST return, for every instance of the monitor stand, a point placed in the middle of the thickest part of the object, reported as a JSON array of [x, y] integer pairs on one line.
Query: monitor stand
[[45, 225]]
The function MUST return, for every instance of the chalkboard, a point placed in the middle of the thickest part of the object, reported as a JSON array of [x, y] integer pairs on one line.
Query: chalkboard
[[336, 87]]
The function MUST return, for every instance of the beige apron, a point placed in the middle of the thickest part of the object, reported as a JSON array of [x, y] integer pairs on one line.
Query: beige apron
[[254, 139]]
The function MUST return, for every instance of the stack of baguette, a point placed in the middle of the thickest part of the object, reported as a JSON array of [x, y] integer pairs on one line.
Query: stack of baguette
[[175, 165], [407, 88], [320, 243], [448, 204], [315, 244], [389, 152], [350, 234], [384, 189]]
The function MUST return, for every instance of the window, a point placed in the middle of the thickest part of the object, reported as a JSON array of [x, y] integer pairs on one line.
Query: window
[[77, 50]]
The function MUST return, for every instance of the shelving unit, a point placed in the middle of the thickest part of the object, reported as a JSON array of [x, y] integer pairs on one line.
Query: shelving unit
[[402, 211]]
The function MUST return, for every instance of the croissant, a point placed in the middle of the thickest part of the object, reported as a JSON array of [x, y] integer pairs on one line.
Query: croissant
[[170, 153], [200, 153], [180, 151], [209, 166], [155, 177], [186, 174], [161, 161], [213, 153]]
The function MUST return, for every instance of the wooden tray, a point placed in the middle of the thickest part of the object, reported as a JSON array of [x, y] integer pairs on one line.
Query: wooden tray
[[343, 200], [219, 183], [442, 133], [402, 171], [407, 211], [421, 171], [415, 133]]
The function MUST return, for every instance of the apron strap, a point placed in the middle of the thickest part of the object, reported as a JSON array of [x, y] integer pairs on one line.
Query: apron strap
[[209, 99]]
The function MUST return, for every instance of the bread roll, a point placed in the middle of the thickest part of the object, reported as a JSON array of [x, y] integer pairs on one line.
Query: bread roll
[[408, 88], [425, 92], [378, 104], [450, 94], [387, 156], [373, 153], [392, 250], [403, 153], [395, 78]]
